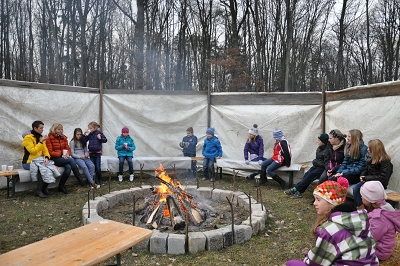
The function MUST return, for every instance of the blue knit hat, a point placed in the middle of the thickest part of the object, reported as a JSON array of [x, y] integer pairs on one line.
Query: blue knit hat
[[210, 131], [278, 134]]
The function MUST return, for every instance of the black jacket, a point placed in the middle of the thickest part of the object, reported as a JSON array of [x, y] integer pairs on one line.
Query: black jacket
[[334, 158], [380, 171], [319, 157]]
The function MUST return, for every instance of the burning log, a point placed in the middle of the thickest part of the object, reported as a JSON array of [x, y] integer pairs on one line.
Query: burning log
[[174, 189], [177, 220], [150, 208], [195, 216], [156, 216]]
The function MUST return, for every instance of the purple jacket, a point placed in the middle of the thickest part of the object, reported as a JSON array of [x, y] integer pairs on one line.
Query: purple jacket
[[254, 147], [95, 144], [384, 225]]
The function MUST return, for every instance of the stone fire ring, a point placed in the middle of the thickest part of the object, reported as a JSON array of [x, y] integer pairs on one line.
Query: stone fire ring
[[164, 243]]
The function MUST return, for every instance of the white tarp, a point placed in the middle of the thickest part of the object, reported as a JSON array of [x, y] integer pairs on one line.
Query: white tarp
[[158, 122]]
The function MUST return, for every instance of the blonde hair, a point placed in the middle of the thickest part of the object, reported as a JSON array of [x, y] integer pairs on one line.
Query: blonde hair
[[94, 124], [377, 151], [320, 220], [355, 149], [54, 127]]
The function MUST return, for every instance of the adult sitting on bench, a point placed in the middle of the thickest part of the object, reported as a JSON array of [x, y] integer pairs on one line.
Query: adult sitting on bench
[[282, 155], [35, 149]]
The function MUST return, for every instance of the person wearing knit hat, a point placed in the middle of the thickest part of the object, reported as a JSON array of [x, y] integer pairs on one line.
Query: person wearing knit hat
[[253, 149], [125, 146], [282, 155], [315, 171], [323, 138], [338, 224], [211, 151], [384, 219], [188, 145]]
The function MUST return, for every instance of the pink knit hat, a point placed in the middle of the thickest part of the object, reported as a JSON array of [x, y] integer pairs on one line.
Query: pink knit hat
[[373, 191], [125, 130]]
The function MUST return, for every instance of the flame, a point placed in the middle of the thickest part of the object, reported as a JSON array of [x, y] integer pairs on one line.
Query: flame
[[163, 189]]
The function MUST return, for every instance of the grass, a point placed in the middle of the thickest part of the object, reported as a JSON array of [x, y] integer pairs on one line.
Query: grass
[[28, 219]]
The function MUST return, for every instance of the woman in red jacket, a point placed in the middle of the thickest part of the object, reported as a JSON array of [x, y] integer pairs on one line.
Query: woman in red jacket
[[56, 143]]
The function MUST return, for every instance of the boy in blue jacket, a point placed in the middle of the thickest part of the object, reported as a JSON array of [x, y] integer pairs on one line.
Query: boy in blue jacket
[[212, 150], [125, 147]]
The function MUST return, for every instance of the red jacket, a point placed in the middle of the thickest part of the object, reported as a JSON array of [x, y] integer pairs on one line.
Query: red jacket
[[56, 144]]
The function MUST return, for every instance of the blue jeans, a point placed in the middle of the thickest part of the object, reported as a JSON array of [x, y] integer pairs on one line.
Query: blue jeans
[[357, 194], [121, 164], [312, 174], [193, 170], [208, 165], [268, 166], [87, 167], [96, 160], [26, 166]]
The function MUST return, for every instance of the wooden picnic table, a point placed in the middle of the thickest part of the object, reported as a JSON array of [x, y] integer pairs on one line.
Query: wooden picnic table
[[86, 245], [11, 177]]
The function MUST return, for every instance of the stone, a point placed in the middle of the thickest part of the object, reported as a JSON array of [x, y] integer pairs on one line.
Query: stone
[[197, 242], [205, 192], [176, 244], [158, 242], [215, 240]]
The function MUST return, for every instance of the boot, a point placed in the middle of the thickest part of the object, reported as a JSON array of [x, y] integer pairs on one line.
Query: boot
[[263, 178], [61, 185], [281, 182], [45, 190], [78, 176], [38, 191]]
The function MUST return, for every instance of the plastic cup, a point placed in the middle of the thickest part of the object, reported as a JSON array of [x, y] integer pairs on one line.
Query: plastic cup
[[65, 152], [3, 168], [10, 168]]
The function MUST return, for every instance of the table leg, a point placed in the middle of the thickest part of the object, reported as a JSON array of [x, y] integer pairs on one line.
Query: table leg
[[14, 181], [8, 187], [118, 259]]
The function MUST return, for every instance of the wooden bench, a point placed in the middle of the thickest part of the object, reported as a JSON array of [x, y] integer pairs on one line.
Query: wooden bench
[[254, 166], [111, 163], [85, 245], [392, 196]]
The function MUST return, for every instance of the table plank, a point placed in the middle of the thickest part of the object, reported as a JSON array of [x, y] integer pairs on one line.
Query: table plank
[[85, 245]]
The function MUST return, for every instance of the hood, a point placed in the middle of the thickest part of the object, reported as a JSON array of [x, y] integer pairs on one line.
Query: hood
[[392, 216], [355, 222]]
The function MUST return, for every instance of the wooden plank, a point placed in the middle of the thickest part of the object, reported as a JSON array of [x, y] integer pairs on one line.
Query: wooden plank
[[85, 245], [46, 86]]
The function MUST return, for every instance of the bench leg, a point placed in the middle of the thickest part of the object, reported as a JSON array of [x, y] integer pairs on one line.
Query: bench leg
[[290, 174], [118, 259], [219, 169]]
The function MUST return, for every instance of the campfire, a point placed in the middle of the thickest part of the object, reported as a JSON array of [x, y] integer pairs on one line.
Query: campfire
[[172, 206]]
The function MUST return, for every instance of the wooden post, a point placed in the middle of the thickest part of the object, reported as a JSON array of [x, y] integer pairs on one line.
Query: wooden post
[[209, 107], [101, 104], [323, 104]]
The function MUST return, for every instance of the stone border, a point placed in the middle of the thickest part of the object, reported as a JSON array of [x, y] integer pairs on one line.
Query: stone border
[[164, 243]]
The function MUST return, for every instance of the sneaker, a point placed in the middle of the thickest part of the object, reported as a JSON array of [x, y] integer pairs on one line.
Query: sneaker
[[94, 186], [131, 177], [296, 195], [290, 191], [120, 178], [204, 179]]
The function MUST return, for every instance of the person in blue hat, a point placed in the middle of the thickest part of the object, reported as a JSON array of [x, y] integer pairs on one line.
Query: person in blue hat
[[211, 151]]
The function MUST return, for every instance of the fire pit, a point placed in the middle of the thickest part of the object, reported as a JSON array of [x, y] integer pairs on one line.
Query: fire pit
[[173, 210]]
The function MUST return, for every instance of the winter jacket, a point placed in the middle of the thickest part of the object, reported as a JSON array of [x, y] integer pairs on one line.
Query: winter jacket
[[319, 157], [384, 225], [95, 144], [212, 148], [33, 148], [56, 144], [334, 158], [80, 150], [254, 147], [351, 166], [188, 145], [48, 173], [380, 171], [121, 151], [344, 239], [282, 152]]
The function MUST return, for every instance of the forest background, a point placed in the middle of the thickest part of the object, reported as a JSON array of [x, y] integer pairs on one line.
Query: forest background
[[199, 45]]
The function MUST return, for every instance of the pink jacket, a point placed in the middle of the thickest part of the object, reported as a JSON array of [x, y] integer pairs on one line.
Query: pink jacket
[[384, 225]]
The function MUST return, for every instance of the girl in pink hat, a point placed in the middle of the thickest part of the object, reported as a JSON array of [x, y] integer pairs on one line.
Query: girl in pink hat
[[384, 220]]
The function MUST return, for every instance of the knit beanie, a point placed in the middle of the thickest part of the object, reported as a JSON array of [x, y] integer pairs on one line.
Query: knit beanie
[[210, 131], [125, 130], [332, 192], [373, 191], [324, 138], [254, 130], [278, 134]]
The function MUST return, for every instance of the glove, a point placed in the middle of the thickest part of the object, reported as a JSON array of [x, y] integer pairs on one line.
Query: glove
[[127, 148], [247, 162], [260, 162], [123, 146]]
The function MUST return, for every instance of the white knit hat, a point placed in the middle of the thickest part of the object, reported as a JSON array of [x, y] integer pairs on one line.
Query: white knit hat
[[254, 130], [373, 191]]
